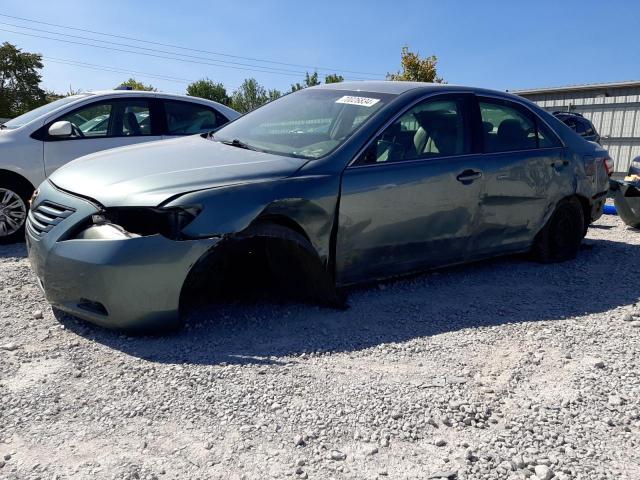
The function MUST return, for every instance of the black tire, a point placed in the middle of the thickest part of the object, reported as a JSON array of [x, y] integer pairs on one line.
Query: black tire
[[10, 189], [561, 237]]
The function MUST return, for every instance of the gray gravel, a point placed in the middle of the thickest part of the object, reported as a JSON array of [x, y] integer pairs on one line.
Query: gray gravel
[[501, 370]]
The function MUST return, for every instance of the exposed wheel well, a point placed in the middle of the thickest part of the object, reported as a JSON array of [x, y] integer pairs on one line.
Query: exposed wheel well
[[271, 258], [282, 221], [7, 176]]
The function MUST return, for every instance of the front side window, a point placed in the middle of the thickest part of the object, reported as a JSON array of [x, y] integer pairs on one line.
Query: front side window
[[189, 118], [112, 118], [433, 128], [90, 121], [307, 124]]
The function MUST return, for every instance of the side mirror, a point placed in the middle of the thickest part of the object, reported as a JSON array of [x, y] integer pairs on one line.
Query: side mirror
[[61, 129]]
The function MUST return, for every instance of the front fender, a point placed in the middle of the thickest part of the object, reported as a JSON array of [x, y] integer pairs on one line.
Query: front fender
[[309, 201]]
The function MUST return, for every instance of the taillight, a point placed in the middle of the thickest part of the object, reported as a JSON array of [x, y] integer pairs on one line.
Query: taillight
[[608, 165]]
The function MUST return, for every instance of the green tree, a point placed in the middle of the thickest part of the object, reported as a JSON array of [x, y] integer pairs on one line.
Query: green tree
[[309, 81], [51, 96], [19, 81], [136, 85], [416, 69], [207, 88], [273, 94], [249, 96], [333, 78]]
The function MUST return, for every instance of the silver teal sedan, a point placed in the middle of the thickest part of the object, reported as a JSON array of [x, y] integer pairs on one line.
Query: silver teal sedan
[[330, 186]]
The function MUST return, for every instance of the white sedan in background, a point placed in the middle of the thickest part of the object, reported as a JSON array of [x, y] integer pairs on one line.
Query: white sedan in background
[[34, 145]]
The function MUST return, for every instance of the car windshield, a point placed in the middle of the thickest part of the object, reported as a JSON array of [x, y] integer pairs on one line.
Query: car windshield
[[43, 110], [306, 124]]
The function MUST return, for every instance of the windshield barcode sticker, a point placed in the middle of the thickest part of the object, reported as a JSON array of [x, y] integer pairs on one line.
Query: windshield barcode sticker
[[361, 101]]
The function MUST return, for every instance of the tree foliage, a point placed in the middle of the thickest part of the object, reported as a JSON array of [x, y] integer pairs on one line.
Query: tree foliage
[[273, 94], [19, 81], [309, 81], [416, 69], [249, 96], [136, 85], [333, 78], [206, 88]]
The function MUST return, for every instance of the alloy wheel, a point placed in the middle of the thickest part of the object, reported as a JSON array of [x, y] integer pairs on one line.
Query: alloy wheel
[[13, 212]]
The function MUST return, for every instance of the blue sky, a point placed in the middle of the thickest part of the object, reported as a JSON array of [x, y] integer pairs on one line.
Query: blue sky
[[499, 44]]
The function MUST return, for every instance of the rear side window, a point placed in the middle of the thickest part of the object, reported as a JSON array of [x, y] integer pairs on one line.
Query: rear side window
[[185, 118], [509, 127], [136, 119]]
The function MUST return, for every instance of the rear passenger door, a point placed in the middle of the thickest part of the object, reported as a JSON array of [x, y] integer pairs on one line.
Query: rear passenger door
[[189, 118], [525, 174]]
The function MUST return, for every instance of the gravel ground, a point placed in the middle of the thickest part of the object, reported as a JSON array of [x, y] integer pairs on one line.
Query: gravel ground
[[504, 369]]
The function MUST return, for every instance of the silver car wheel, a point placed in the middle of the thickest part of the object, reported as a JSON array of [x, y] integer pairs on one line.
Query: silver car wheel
[[13, 212]]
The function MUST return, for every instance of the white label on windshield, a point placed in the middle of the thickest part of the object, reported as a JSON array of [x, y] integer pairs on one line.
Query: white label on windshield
[[361, 101]]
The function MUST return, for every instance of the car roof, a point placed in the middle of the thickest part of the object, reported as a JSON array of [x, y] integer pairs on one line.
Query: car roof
[[137, 93], [400, 87], [382, 86]]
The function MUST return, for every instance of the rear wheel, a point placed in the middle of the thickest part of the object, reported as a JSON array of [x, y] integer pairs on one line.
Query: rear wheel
[[561, 237], [14, 205]]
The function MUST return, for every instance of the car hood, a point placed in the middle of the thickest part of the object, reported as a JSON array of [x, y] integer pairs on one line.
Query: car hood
[[148, 174]]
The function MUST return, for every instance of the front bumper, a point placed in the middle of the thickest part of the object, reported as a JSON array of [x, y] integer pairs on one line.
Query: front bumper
[[130, 283]]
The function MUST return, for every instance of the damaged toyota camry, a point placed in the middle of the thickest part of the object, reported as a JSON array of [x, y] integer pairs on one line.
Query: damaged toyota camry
[[330, 186]]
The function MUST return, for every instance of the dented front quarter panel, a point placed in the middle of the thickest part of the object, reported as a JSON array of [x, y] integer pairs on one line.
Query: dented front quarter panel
[[308, 200]]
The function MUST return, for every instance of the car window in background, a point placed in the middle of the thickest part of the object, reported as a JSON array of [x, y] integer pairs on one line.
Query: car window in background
[[433, 128], [307, 124], [569, 122], [581, 127], [43, 110], [506, 128], [189, 118], [589, 129], [136, 118], [92, 120]]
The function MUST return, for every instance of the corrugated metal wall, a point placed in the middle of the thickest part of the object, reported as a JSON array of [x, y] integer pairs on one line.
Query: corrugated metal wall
[[615, 112]]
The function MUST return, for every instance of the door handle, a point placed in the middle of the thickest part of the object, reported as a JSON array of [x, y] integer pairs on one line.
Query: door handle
[[559, 163], [468, 176]]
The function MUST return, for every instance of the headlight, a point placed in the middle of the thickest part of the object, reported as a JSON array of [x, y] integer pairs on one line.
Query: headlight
[[144, 221]]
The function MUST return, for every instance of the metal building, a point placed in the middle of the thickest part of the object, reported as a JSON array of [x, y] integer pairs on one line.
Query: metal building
[[613, 108]]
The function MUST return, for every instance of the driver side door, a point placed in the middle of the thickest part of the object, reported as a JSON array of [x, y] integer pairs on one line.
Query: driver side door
[[99, 126], [410, 201]]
